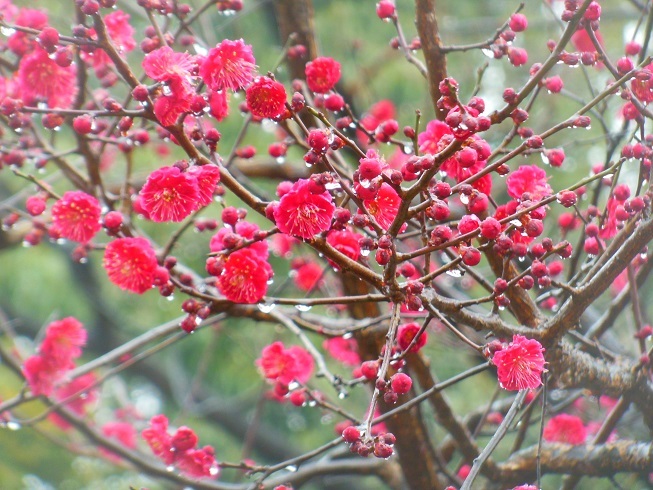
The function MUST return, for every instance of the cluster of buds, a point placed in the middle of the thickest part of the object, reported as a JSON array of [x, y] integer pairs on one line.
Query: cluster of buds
[[380, 446]]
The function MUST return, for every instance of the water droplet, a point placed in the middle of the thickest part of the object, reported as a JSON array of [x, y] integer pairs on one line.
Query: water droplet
[[348, 335], [365, 183], [280, 160], [408, 149], [464, 198], [365, 252], [293, 385], [332, 185], [266, 307], [170, 468], [342, 395], [11, 425], [201, 50], [303, 307], [171, 297], [213, 470], [456, 272], [488, 52], [291, 467], [7, 31]]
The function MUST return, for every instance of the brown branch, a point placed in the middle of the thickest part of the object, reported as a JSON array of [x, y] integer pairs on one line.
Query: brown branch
[[435, 57], [589, 460]]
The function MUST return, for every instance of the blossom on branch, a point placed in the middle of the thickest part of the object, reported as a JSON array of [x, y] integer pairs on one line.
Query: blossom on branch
[[41, 79], [230, 65], [130, 264], [304, 211], [76, 216], [170, 195], [520, 364]]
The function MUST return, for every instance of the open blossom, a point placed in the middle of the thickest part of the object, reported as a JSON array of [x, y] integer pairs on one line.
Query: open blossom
[[165, 64], [57, 353], [180, 449], [245, 277], [77, 395], [121, 34], [322, 74], [346, 242], [565, 428], [302, 213], [266, 98], [285, 365], [174, 70], [41, 79], [170, 195], [230, 65], [121, 432], [76, 216], [308, 275], [407, 332], [384, 206], [437, 136], [21, 42], [130, 264], [520, 364], [63, 342], [168, 107], [528, 179], [343, 350], [207, 177]]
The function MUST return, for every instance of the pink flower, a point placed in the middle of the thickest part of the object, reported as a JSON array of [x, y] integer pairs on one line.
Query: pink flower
[[245, 277], [266, 98], [230, 65], [40, 375], [437, 136], [198, 463], [219, 105], [384, 206], [285, 365], [61, 346], [407, 332], [157, 437], [322, 74], [41, 79], [170, 195], [21, 42], [168, 108], [346, 242], [164, 64], [63, 342], [76, 216], [529, 179], [565, 428], [130, 264], [79, 393], [122, 432], [609, 227], [343, 350], [302, 213], [308, 276], [207, 177], [121, 34], [173, 69], [520, 364]]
